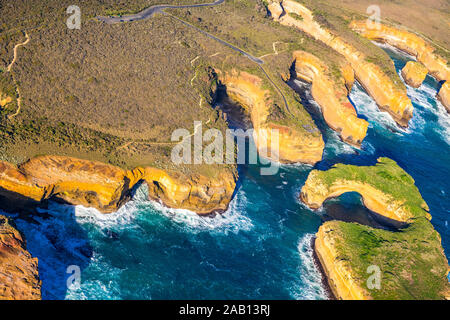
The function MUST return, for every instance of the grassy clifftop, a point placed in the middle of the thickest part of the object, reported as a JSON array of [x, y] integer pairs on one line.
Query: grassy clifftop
[[411, 259], [112, 93], [385, 176], [115, 93], [412, 263]]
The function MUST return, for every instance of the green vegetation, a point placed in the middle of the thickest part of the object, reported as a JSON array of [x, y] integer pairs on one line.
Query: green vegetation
[[411, 260], [120, 90], [115, 93], [385, 176], [112, 93], [247, 26], [337, 20], [296, 16]]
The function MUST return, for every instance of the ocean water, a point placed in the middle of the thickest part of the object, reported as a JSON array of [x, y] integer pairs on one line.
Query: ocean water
[[260, 248]]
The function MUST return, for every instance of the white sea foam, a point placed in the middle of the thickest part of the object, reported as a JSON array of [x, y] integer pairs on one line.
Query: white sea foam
[[394, 49], [368, 107], [312, 286], [95, 289], [336, 146], [232, 220], [422, 97]]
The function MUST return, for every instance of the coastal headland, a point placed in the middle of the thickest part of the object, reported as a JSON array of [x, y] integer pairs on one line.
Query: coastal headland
[[87, 115]]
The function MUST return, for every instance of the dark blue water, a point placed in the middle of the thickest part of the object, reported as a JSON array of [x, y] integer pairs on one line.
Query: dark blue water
[[260, 248]]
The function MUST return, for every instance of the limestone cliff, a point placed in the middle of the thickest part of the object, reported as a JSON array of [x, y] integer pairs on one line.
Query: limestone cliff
[[337, 271], [444, 95], [106, 187], [294, 145], [331, 94], [414, 73], [390, 96], [411, 43], [314, 193], [19, 279], [411, 263]]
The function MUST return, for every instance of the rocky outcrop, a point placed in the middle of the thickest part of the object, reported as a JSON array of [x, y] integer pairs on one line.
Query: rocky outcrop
[[410, 264], [444, 95], [19, 279], [294, 145], [338, 272], [411, 43], [414, 73], [389, 95], [4, 100], [331, 95], [106, 187], [314, 193]]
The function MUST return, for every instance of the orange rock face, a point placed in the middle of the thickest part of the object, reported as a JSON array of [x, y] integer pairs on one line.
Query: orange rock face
[[340, 277], [408, 42], [411, 43], [414, 73], [389, 96], [19, 279], [106, 187], [294, 145], [331, 95], [444, 95]]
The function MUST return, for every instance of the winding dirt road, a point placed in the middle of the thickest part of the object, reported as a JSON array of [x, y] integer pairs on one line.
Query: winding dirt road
[[15, 51], [149, 12]]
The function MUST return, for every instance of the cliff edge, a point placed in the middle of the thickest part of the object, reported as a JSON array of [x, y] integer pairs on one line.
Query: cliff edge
[[382, 84], [19, 279], [409, 263], [435, 59], [106, 187]]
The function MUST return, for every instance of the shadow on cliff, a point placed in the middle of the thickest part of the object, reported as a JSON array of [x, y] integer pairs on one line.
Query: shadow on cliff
[[349, 207], [58, 241]]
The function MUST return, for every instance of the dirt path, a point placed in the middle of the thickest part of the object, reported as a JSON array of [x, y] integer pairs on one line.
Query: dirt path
[[275, 51], [149, 12], [129, 143], [8, 69]]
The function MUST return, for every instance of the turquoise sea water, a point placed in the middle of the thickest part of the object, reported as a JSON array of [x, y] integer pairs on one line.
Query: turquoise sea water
[[261, 247]]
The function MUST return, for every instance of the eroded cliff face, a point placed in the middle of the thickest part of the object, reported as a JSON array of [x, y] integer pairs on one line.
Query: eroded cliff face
[[106, 187], [294, 145], [331, 95], [19, 278], [414, 73], [444, 95], [198, 193], [408, 42], [389, 96], [411, 43], [401, 257], [339, 274], [314, 193]]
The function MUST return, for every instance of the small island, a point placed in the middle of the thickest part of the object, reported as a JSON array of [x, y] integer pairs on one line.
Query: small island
[[411, 259]]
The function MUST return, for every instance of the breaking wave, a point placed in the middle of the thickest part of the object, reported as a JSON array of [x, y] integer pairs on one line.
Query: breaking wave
[[311, 278]]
